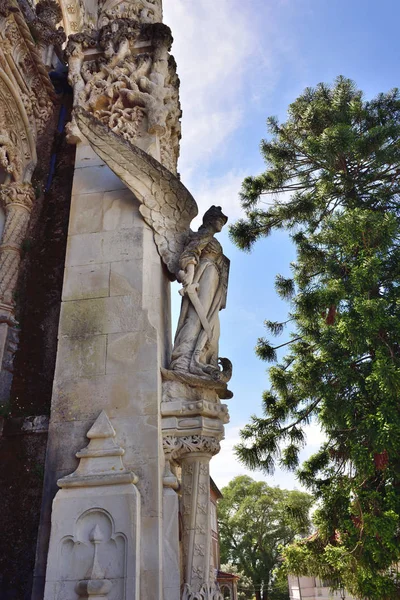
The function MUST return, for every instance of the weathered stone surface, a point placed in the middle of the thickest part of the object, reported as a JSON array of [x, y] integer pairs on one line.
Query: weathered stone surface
[[125, 277], [81, 356], [86, 281], [104, 246], [95, 179]]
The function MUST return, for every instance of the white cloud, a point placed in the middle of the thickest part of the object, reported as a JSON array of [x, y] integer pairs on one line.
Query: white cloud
[[222, 191], [213, 42]]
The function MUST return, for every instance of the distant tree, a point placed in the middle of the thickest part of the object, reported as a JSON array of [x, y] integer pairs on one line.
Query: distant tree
[[337, 161], [254, 521]]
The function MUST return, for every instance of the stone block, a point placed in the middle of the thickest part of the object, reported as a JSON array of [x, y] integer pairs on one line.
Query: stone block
[[65, 440], [151, 552], [120, 395], [133, 350], [102, 247], [150, 480], [95, 316], [171, 555], [151, 584], [86, 157], [126, 277], [81, 357], [120, 210], [86, 281], [98, 178], [140, 436], [86, 214]]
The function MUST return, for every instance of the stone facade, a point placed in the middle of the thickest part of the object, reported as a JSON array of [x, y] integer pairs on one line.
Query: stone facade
[[128, 515]]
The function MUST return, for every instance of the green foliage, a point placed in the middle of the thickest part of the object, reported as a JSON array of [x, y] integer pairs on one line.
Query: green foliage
[[337, 162], [254, 520]]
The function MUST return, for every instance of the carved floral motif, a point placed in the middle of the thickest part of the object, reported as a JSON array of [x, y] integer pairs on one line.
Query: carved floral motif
[[179, 446], [206, 592]]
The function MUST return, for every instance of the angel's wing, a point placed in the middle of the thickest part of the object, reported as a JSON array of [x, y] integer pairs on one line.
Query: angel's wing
[[166, 205]]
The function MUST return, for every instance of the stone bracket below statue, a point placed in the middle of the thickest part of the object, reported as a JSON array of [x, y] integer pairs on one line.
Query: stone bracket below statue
[[186, 408], [204, 384], [193, 417]]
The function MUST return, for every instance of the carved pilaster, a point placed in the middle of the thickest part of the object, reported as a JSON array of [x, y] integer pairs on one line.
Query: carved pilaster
[[18, 201], [193, 425]]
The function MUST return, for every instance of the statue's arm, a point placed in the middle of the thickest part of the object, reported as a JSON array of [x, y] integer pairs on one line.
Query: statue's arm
[[189, 259]]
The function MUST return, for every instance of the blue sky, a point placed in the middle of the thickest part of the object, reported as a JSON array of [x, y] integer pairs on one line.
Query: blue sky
[[241, 61]]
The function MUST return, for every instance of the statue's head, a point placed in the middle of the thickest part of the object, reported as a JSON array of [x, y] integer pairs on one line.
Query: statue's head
[[215, 218]]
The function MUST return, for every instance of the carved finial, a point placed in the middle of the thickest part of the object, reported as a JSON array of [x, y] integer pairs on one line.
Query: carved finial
[[100, 462], [101, 428]]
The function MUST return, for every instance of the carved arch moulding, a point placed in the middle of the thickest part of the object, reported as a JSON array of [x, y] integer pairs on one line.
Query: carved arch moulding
[[17, 144]]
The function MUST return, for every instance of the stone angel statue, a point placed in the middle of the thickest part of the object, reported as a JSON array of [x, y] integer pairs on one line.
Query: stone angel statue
[[195, 259], [204, 274]]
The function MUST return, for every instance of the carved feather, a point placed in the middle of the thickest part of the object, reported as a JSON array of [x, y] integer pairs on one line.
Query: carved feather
[[166, 205]]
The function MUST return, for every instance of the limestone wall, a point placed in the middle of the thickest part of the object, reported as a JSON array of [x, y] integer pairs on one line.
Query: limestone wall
[[114, 336]]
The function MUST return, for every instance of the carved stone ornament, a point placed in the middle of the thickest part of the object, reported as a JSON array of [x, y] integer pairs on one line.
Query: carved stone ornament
[[131, 86], [95, 535], [45, 25], [24, 74], [101, 461], [207, 592], [145, 11], [17, 199], [177, 447]]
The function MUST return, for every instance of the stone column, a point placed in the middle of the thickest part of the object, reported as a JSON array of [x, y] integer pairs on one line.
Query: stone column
[[196, 520], [18, 202], [193, 425], [17, 199]]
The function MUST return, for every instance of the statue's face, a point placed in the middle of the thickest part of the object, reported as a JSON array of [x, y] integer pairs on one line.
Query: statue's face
[[219, 223]]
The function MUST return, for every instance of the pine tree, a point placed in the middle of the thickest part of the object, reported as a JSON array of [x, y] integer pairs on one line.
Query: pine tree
[[337, 161]]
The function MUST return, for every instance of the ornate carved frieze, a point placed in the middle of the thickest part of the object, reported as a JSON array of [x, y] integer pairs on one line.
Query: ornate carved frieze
[[177, 447], [145, 11]]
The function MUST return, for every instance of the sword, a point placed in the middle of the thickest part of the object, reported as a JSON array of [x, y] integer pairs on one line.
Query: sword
[[191, 291]]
